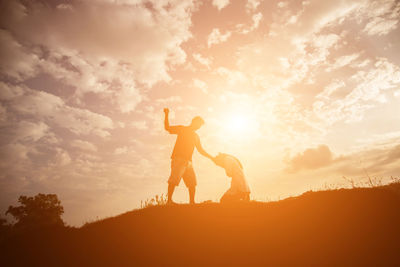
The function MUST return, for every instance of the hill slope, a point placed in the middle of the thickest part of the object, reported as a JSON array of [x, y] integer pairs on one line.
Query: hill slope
[[339, 227]]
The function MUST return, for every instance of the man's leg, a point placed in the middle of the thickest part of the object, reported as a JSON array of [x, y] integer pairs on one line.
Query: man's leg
[[192, 192], [177, 169], [189, 177], [171, 189]]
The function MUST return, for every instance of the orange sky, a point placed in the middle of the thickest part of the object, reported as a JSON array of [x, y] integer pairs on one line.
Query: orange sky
[[302, 92]]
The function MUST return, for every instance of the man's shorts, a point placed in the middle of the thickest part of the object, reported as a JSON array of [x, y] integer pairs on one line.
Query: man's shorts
[[182, 168]]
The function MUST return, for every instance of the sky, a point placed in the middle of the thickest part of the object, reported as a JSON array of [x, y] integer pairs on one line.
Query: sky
[[305, 93]]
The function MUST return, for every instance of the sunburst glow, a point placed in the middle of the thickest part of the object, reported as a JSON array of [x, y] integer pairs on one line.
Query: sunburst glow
[[240, 124]]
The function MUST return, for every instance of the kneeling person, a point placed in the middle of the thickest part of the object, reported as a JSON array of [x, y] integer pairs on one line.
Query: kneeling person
[[239, 189]]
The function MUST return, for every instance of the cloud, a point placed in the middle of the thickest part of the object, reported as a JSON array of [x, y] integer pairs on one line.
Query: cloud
[[140, 125], [233, 77], [8, 92], [84, 145], [256, 18], [217, 37], [282, 4], [26, 131], [380, 26], [128, 97], [16, 61], [310, 159], [382, 17], [201, 85], [330, 89], [202, 60], [380, 161], [220, 4], [138, 43], [369, 89], [62, 158], [121, 150], [252, 5], [13, 153], [344, 61], [45, 106], [316, 15], [168, 100]]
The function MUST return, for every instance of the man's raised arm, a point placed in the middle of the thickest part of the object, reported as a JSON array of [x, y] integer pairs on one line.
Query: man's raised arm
[[166, 120], [169, 128], [201, 149]]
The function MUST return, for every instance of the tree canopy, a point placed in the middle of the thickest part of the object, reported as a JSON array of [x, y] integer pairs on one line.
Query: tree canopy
[[37, 211]]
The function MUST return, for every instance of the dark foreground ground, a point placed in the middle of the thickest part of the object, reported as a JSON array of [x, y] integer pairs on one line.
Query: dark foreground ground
[[354, 227]]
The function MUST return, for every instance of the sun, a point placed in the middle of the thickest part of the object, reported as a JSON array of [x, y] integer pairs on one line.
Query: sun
[[240, 125], [237, 123]]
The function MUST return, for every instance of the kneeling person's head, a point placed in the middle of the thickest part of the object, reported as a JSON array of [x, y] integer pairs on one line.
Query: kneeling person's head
[[222, 160]]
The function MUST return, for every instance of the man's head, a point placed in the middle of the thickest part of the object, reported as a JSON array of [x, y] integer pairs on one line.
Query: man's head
[[197, 122]]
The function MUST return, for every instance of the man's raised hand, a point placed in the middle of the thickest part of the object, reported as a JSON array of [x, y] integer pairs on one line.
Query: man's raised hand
[[166, 110]]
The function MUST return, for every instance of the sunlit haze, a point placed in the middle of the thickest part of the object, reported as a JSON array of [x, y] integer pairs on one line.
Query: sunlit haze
[[304, 93]]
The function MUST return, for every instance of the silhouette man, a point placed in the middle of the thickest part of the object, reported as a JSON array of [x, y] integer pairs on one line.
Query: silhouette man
[[181, 158]]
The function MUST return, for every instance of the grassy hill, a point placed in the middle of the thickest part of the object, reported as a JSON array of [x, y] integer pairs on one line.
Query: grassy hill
[[350, 227]]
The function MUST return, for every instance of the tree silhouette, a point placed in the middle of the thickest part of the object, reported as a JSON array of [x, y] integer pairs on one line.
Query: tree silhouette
[[39, 211]]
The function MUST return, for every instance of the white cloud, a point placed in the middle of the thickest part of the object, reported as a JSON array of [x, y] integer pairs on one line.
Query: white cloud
[[252, 5], [217, 37], [344, 61], [381, 17], [220, 4], [26, 131], [282, 4], [369, 90], [171, 99], [383, 76], [13, 153], [380, 26], [311, 158], [256, 18], [61, 158], [330, 89], [128, 98], [233, 77], [325, 41], [93, 60], [140, 125], [16, 61], [8, 92], [202, 60], [84, 145], [121, 150], [201, 85], [45, 106]]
